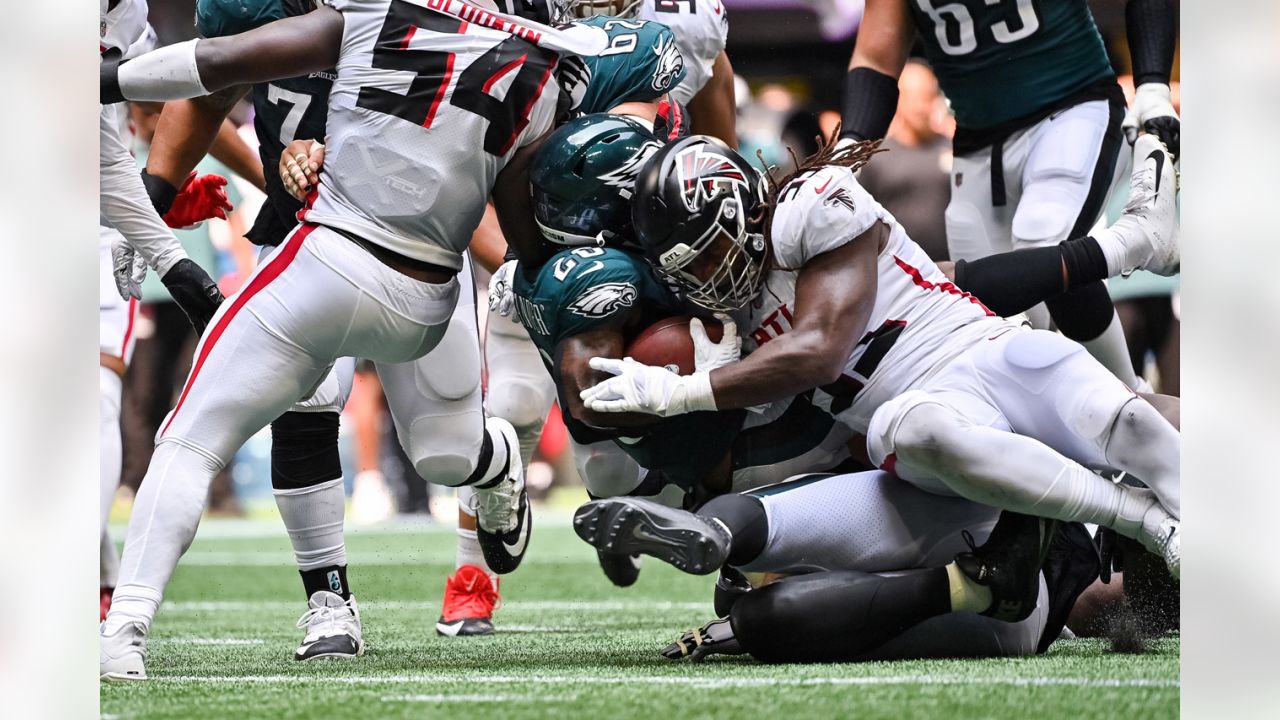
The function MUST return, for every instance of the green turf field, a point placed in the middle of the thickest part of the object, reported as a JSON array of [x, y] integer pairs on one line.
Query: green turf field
[[570, 645]]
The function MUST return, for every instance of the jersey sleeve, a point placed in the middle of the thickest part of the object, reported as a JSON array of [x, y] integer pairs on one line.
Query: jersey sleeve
[[643, 62], [597, 291], [820, 212], [701, 28]]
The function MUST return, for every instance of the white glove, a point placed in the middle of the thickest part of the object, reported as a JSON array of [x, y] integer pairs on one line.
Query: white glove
[[707, 355], [647, 389], [1152, 111], [502, 296], [129, 269]]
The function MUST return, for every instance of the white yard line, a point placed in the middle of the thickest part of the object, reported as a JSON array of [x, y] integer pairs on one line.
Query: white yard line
[[210, 641], [565, 605], [697, 682], [283, 557], [476, 698]]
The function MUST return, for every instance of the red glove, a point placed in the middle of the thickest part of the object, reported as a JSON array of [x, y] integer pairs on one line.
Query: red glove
[[199, 199]]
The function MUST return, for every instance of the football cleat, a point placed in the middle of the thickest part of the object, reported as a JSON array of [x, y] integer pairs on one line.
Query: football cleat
[[469, 601], [122, 652], [1162, 534], [104, 602], [631, 526], [730, 587], [714, 638], [1148, 227], [622, 570], [504, 519], [332, 628], [1009, 563]]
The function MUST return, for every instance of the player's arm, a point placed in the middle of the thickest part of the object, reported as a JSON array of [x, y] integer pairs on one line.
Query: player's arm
[[513, 203], [575, 374], [230, 149], [871, 87], [713, 109], [835, 294], [1151, 27], [488, 246], [281, 49]]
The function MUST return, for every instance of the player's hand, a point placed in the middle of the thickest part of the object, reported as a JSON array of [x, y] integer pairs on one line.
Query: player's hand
[[202, 197], [642, 388], [707, 355], [714, 638], [300, 167], [128, 268], [502, 297], [194, 291], [1152, 111]]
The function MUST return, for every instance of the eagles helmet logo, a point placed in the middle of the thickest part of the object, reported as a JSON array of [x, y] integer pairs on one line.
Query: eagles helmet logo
[[670, 63], [601, 300], [703, 175], [624, 176]]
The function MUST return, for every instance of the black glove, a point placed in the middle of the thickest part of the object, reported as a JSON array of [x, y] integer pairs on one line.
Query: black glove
[[194, 291]]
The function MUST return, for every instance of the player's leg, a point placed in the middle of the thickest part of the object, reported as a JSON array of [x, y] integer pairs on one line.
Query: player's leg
[[1074, 160], [608, 471], [115, 346], [519, 390]]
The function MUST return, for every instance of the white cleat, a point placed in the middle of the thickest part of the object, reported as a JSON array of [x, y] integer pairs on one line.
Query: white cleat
[[503, 516], [122, 652], [1162, 535], [333, 628], [1148, 229]]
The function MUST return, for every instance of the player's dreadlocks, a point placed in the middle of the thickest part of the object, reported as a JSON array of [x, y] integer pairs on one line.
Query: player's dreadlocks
[[852, 156]]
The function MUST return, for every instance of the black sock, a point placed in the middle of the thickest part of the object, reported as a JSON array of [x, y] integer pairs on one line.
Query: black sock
[[331, 577], [836, 616], [745, 517], [1084, 313], [1013, 282], [1085, 262]]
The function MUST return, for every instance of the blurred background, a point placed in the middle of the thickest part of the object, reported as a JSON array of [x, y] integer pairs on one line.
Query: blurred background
[[790, 58]]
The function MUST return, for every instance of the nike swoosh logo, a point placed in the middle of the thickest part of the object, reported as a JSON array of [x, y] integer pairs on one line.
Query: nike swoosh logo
[[823, 188], [642, 533], [518, 547], [1158, 156], [716, 7]]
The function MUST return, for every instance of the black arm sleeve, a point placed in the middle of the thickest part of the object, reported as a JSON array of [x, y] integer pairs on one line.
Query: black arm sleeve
[[1152, 29], [870, 100]]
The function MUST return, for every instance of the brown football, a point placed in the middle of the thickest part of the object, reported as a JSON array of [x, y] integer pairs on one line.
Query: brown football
[[667, 343]]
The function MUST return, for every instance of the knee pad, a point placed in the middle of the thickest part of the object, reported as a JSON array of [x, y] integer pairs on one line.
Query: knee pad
[[606, 470], [304, 450], [519, 401], [1084, 313], [446, 449], [1042, 219], [967, 235], [886, 425]]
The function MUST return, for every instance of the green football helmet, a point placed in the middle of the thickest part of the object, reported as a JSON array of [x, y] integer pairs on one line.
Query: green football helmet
[[584, 175]]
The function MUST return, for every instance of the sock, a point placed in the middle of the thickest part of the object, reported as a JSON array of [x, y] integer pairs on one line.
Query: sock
[[529, 438], [495, 456], [745, 519], [965, 593], [109, 562], [313, 518], [1145, 444], [469, 553], [109, 387], [1085, 262], [836, 616], [1112, 350], [330, 577]]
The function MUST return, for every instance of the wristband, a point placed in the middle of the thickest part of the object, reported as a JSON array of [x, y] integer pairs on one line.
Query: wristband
[[161, 192], [870, 100]]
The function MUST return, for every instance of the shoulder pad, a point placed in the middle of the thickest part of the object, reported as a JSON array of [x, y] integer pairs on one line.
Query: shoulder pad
[[821, 211]]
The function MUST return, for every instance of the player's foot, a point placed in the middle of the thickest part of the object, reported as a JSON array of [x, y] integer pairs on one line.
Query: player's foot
[[333, 628], [104, 602], [1009, 563], [730, 587], [469, 601], [1162, 534], [1145, 237], [637, 526], [503, 516], [122, 652], [622, 570], [371, 500], [714, 638]]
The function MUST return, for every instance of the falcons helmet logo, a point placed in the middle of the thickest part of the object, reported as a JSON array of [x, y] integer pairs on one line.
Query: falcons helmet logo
[[703, 175], [624, 176], [601, 300]]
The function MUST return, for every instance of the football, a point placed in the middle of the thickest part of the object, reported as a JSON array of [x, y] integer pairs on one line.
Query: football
[[667, 343]]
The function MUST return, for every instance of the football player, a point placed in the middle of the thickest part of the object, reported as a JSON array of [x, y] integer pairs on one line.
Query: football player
[[372, 270], [1039, 125], [836, 297]]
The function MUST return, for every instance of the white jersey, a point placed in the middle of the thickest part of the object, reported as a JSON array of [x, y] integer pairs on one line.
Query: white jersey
[[432, 99], [120, 26], [701, 28], [920, 320]]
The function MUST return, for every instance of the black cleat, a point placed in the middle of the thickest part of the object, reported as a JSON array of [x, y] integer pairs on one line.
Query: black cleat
[[632, 526], [730, 587], [1009, 563], [622, 570], [714, 638]]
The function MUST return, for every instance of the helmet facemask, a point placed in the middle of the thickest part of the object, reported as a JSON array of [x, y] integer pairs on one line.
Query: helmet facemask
[[722, 271], [615, 8]]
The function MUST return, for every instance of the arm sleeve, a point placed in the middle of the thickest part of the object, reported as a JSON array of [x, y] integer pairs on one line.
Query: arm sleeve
[[1152, 29], [124, 203]]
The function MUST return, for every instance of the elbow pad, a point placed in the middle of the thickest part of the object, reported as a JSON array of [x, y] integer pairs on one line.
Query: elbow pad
[[870, 100]]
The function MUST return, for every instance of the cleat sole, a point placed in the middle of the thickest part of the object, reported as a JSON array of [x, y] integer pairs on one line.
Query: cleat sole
[[634, 526]]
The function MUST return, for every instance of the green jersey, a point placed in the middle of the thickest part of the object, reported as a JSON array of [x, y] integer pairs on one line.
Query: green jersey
[[641, 63], [590, 288], [1000, 60]]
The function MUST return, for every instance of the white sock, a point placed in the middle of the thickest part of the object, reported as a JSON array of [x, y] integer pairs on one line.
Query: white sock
[[529, 437], [166, 513], [109, 562], [1146, 445], [109, 388], [469, 552], [313, 518], [1111, 349]]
